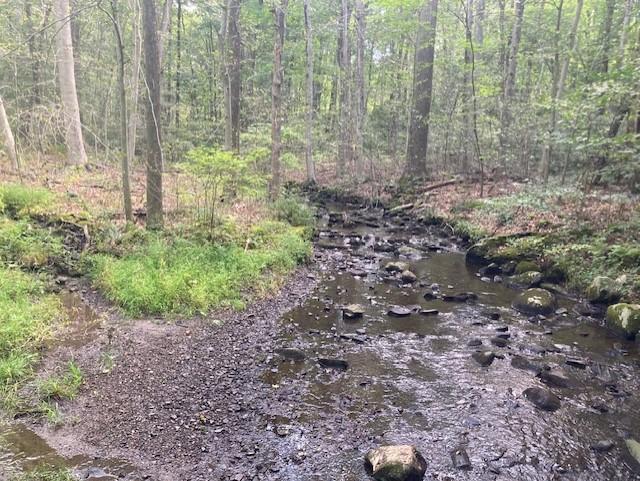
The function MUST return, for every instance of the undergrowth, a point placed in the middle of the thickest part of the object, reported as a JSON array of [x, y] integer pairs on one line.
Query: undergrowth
[[46, 473], [19, 200], [27, 317], [165, 275]]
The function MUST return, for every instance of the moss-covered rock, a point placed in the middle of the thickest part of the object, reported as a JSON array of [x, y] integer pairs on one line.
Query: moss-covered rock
[[396, 463], [624, 317], [526, 266], [604, 290], [526, 279], [484, 252], [535, 301]]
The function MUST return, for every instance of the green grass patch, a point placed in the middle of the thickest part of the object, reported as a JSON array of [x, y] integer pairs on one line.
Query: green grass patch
[[19, 200], [28, 245], [64, 386], [27, 316], [180, 276], [46, 473], [294, 210]]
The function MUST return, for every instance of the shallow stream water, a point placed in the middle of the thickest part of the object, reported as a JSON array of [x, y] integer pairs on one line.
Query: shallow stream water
[[412, 380]]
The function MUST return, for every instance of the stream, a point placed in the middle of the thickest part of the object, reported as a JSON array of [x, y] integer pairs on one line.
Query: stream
[[412, 379]]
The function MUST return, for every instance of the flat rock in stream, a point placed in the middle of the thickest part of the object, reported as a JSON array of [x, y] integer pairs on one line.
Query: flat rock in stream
[[408, 277], [460, 459], [291, 354], [553, 379], [429, 312], [484, 358], [499, 341], [331, 363], [399, 311], [535, 301], [523, 363], [396, 463], [353, 311], [460, 297], [603, 446], [542, 399], [397, 266]]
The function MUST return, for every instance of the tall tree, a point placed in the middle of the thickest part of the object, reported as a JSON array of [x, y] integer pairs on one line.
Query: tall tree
[[511, 68], [418, 141], [345, 155], [9, 142], [360, 97], [155, 215], [309, 113], [558, 92], [67, 81], [230, 46], [279, 13]]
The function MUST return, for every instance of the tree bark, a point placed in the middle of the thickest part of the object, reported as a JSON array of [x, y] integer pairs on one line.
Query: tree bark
[[76, 154], [345, 156], [279, 13], [360, 100], [122, 93], [558, 91], [417, 144], [155, 217], [510, 81], [308, 154], [9, 141], [134, 82], [235, 79]]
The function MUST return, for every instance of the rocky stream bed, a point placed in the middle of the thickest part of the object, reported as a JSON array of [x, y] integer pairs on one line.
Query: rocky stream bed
[[388, 338]]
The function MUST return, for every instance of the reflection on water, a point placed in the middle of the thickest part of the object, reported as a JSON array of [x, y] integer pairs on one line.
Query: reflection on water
[[412, 380]]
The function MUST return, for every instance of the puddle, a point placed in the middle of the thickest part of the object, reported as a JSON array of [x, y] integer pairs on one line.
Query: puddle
[[22, 450]]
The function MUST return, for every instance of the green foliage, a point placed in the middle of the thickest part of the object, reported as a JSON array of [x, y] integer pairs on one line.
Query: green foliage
[[27, 245], [468, 231], [63, 386], [294, 210], [19, 200], [182, 276], [27, 315], [46, 473], [219, 175]]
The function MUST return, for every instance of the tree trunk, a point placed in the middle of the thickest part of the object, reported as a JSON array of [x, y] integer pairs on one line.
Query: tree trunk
[[178, 65], [162, 34], [467, 103], [279, 13], [606, 35], [122, 93], [9, 142], [558, 91], [235, 79], [308, 154], [360, 100], [155, 216], [417, 143], [344, 60], [134, 82], [510, 82], [76, 154], [479, 23]]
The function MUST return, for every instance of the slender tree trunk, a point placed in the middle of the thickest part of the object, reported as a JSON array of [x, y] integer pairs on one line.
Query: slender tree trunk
[[479, 23], [163, 32], [545, 163], [344, 60], [178, 65], [467, 103], [308, 154], [155, 217], [279, 13], [134, 82], [360, 100], [122, 93], [235, 79], [606, 35], [510, 82], [417, 143], [66, 77], [9, 141]]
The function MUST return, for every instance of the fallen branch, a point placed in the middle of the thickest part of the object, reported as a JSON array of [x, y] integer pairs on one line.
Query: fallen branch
[[444, 183]]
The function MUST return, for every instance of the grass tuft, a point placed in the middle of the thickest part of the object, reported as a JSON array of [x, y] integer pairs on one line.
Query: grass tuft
[[46, 473], [178, 276], [60, 387], [19, 200]]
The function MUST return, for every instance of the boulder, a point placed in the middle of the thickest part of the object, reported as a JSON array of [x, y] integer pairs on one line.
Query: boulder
[[526, 280], [460, 459], [408, 277], [410, 252], [603, 290], [490, 270], [396, 463], [353, 311], [397, 266], [526, 266], [535, 301], [625, 318], [542, 399], [484, 358], [552, 379]]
